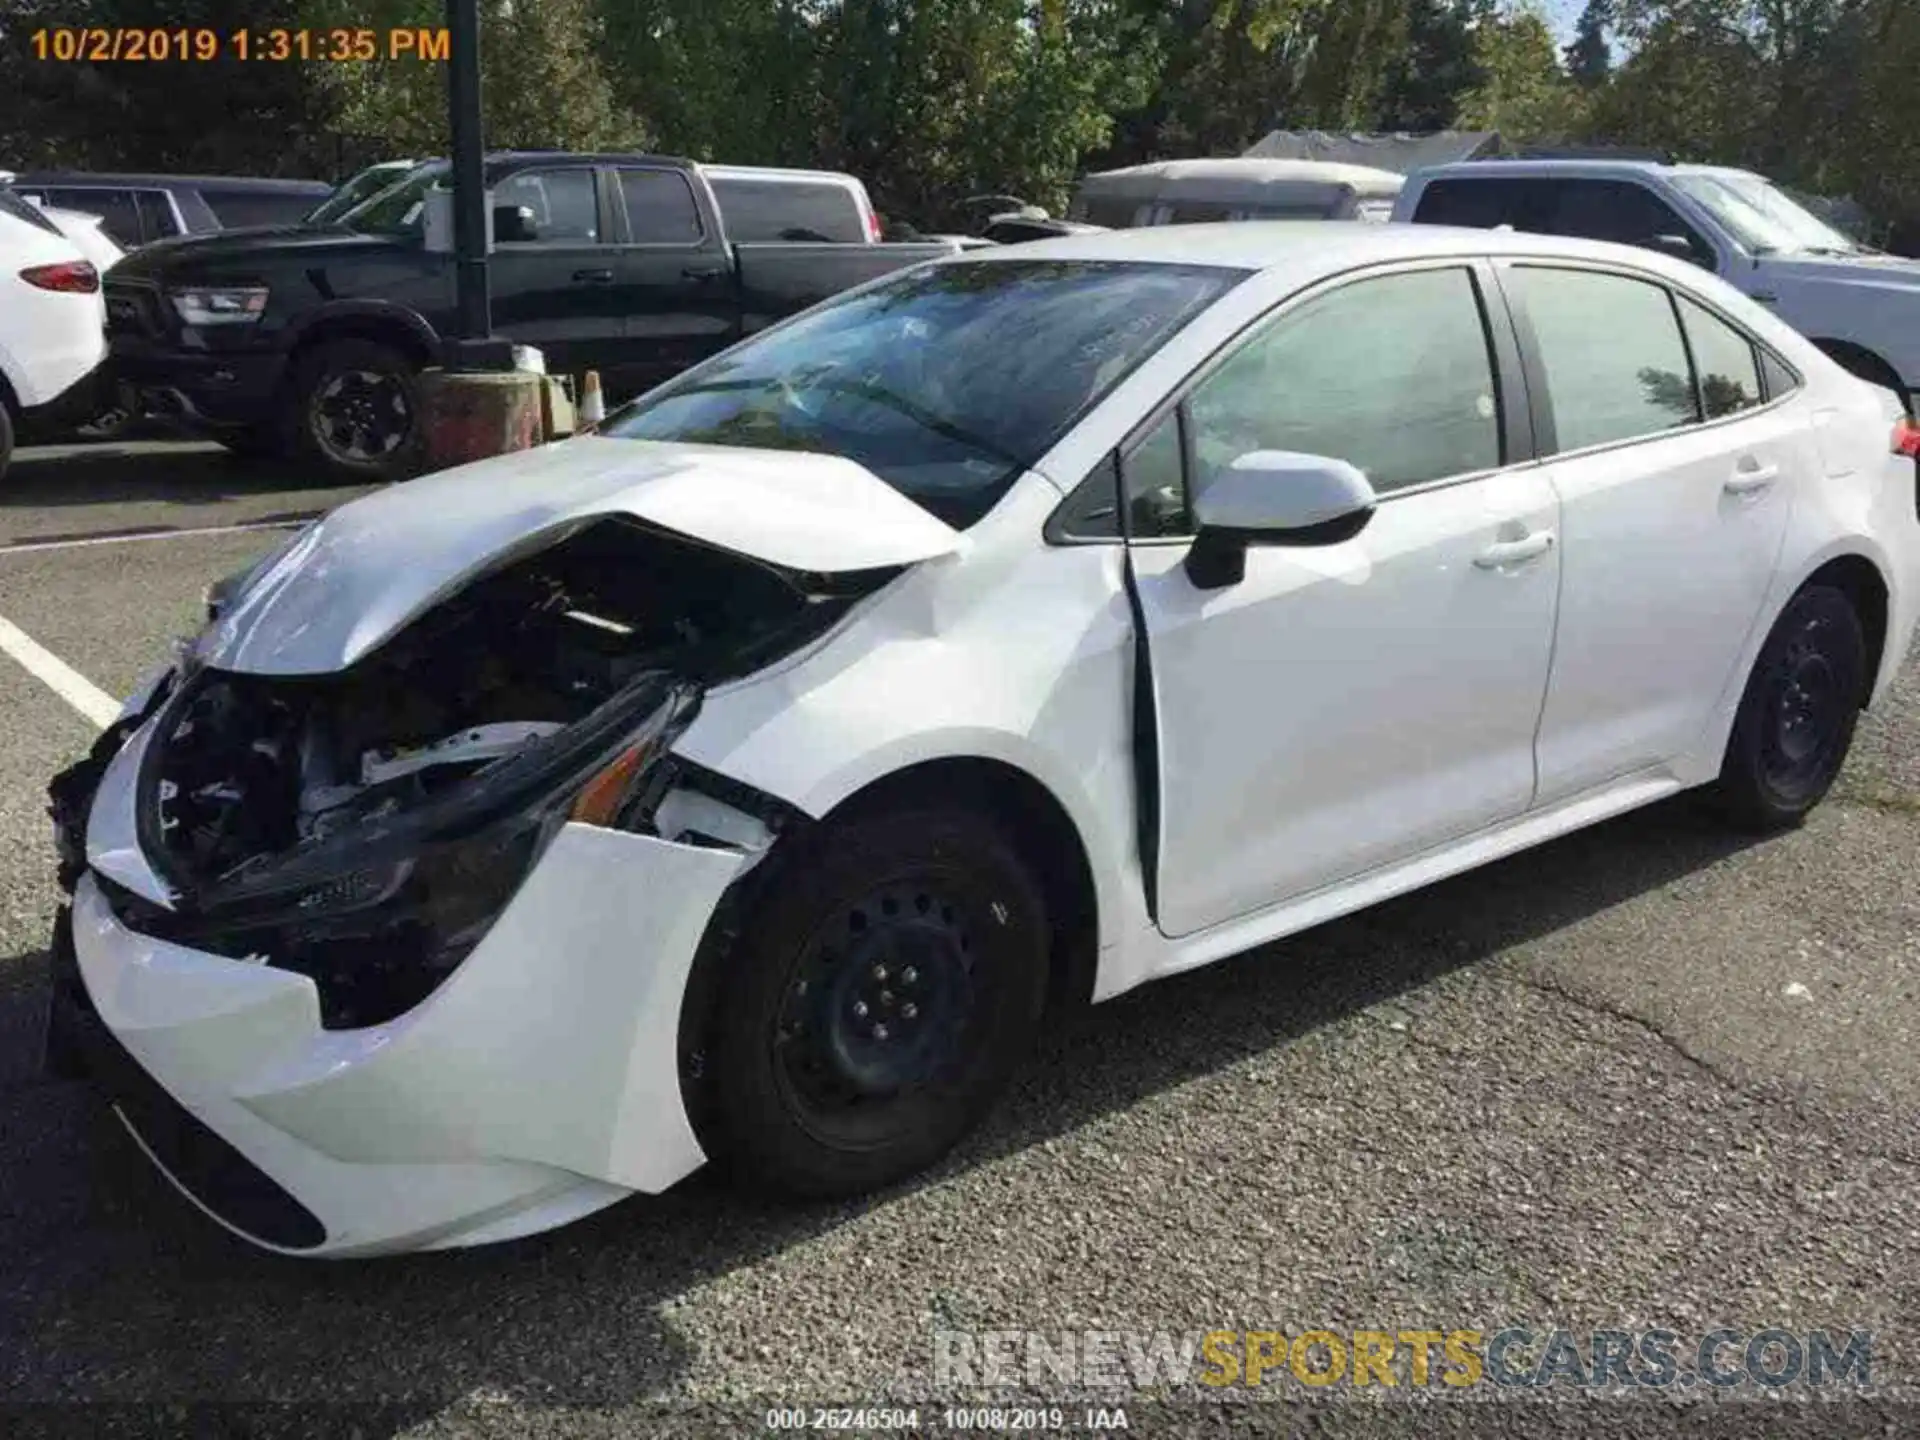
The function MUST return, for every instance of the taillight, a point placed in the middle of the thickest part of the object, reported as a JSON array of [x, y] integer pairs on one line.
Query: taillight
[[74, 276], [1906, 437], [873, 228]]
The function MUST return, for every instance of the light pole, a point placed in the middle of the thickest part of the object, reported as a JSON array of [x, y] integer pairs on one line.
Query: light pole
[[473, 345]]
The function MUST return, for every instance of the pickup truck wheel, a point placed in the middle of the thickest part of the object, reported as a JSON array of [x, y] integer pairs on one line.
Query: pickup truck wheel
[[1796, 718], [885, 985], [356, 410]]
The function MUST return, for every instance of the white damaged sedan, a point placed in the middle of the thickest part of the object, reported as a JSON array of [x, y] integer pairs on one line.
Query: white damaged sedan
[[752, 779]]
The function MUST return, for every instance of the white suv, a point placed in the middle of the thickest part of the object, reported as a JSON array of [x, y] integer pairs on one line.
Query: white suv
[[1860, 306], [52, 324]]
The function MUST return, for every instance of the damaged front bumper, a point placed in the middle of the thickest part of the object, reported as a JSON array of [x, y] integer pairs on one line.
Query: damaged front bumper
[[539, 1081], [538, 1084]]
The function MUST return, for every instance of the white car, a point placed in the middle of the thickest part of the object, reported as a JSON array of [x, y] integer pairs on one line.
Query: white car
[[1860, 306], [85, 232], [748, 778], [52, 324]]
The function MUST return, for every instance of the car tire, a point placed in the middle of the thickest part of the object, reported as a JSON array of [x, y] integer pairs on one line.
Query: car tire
[[6, 438], [353, 410], [889, 977], [1797, 715]]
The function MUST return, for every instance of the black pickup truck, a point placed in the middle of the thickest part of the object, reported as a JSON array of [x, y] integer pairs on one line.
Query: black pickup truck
[[307, 340]]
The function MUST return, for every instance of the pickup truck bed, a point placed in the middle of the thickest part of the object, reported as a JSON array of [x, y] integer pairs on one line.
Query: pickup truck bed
[[615, 263]]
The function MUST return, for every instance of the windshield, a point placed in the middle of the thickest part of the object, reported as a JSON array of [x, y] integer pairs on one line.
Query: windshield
[[354, 191], [1763, 218], [946, 381], [397, 209]]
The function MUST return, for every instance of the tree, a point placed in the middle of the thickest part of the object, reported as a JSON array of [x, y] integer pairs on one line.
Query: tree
[[1525, 94], [1427, 76], [1589, 58], [543, 83]]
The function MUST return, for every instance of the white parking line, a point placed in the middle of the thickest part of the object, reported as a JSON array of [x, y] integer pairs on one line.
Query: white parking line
[[58, 676], [21, 547]]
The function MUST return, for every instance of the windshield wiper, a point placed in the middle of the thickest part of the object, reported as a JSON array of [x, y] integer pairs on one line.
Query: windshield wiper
[[959, 434]]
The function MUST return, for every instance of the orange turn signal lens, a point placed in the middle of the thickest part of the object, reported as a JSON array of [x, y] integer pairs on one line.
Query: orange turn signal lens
[[600, 798]]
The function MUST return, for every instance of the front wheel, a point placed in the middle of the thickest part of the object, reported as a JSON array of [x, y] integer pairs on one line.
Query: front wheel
[[1796, 719], [355, 409], [6, 438], [889, 978]]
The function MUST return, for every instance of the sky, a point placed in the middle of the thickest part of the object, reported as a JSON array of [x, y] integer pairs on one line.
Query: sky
[[1563, 14]]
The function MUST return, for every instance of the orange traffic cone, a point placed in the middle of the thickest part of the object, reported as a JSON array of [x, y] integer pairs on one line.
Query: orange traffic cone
[[593, 406]]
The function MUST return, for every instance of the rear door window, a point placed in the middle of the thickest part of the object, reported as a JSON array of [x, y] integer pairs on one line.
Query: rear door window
[[756, 209], [1616, 366], [1724, 360], [660, 208], [119, 216]]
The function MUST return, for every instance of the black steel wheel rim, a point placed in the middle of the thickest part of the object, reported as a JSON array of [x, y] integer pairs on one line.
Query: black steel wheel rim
[[361, 416], [1804, 716], [880, 1008]]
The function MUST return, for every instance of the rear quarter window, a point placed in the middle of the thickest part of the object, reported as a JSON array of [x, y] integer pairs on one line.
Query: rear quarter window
[[1484, 203]]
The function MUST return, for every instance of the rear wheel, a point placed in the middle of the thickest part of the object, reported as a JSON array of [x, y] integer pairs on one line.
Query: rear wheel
[[888, 981], [355, 409], [1796, 719]]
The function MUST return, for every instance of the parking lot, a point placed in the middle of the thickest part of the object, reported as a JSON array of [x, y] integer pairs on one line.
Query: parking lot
[[1652, 1075]]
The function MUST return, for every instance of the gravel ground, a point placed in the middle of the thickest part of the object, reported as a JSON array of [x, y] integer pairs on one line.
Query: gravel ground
[[1648, 1076]]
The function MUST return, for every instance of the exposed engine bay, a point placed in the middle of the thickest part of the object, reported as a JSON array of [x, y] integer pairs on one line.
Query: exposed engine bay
[[254, 767], [365, 827]]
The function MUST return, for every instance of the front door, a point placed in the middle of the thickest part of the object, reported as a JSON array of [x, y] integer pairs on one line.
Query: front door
[[1674, 482], [553, 283], [1346, 706]]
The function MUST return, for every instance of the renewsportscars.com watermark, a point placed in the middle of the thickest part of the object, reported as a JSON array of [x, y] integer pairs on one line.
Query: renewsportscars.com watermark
[[1514, 1357]]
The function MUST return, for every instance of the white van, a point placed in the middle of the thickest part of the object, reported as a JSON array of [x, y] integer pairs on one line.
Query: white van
[[1186, 192]]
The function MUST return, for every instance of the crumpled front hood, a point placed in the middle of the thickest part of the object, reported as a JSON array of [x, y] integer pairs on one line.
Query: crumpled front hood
[[348, 583]]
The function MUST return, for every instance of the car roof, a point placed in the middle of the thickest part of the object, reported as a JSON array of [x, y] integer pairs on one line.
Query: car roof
[[777, 173], [82, 178], [1252, 168], [1597, 169], [1311, 247]]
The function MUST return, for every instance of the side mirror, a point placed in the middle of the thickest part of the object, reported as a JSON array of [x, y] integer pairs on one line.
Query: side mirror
[[1681, 247], [1274, 497], [513, 224]]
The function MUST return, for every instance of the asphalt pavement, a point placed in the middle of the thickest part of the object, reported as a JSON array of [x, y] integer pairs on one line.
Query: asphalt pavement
[[1650, 1076]]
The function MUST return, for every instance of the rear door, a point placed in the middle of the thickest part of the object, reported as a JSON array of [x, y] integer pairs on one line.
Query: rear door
[[554, 287], [1674, 477], [673, 279]]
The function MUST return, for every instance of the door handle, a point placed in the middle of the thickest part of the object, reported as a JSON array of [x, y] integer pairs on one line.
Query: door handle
[[1750, 480], [703, 272], [1515, 552], [593, 277]]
